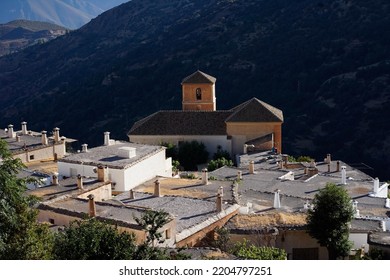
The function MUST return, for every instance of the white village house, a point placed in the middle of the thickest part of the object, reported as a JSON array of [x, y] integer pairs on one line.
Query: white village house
[[127, 164]]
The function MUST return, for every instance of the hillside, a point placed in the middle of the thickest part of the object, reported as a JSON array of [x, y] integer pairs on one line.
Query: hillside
[[325, 64], [20, 34], [69, 13]]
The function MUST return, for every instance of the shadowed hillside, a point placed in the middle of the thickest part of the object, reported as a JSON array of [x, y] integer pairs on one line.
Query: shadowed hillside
[[324, 63]]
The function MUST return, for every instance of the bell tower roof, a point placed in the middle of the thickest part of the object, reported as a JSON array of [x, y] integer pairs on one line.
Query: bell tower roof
[[199, 77]]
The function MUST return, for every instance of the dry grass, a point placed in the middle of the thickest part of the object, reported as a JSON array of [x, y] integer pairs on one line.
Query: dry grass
[[176, 187], [43, 166], [271, 219]]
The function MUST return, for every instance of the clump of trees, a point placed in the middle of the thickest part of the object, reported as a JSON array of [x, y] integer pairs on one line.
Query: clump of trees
[[329, 220], [188, 155], [20, 236]]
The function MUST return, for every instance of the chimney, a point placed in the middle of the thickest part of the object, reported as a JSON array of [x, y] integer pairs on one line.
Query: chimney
[[220, 190], [92, 206], [277, 199], [131, 193], [245, 148], [10, 131], [343, 175], [84, 148], [285, 159], [383, 224], [329, 167], [157, 188], [79, 182], [376, 186], [355, 209], [24, 128], [102, 172], [328, 159], [251, 167], [106, 138], [55, 178], [17, 138], [205, 176], [44, 138], [239, 175], [219, 203], [338, 166], [387, 204], [56, 133]]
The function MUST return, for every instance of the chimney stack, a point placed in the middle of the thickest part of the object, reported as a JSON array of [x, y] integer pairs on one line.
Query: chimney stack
[[251, 167], [157, 188], [79, 182], [17, 138], [24, 128], [131, 193], [92, 206], [338, 166], [55, 178], [106, 138], [285, 160], [44, 138], [387, 204], [239, 175], [277, 199], [56, 133], [376, 186], [220, 190], [84, 148], [343, 175], [328, 167], [205, 176], [355, 209], [10, 131], [102, 172], [219, 203], [328, 159]]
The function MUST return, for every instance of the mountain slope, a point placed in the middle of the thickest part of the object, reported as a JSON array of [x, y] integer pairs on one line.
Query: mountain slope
[[20, 34], [69, 13], [324, 64]]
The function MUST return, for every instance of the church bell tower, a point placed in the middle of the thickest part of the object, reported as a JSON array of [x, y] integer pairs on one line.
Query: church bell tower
[[199, 92]]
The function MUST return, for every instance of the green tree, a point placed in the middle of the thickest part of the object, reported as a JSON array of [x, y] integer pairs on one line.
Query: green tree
[[221, 154], [191, 154], [93, 240], [215, 164], [330, 218], [171, 150], [21, 237], [244, 250], [151, 221]]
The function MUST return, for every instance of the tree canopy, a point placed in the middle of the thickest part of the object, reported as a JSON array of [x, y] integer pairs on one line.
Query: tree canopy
[[21, 237], [330, 218]]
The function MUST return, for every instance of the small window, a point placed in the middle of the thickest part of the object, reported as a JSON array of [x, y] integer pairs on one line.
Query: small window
[[51, 221], [198, 94], [168, 234], [32, 157]]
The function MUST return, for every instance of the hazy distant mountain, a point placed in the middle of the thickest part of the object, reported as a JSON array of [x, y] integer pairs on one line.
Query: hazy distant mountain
[[19, 34], [325, 63], [69, 13]]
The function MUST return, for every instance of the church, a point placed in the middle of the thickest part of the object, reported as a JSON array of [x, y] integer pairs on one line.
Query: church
[[253, 125]]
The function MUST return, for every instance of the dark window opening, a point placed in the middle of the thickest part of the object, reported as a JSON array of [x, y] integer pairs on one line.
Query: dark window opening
[[32, 157], [198, 94]]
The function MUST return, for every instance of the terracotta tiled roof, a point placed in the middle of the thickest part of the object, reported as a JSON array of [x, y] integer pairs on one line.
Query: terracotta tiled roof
[[205, 122], [199, 78], [255, 110], [182, 123]]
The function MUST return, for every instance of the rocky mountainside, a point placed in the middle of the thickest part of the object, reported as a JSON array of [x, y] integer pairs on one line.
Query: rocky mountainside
[[19, 34], [324, 63], [69, 13]]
